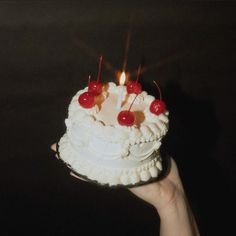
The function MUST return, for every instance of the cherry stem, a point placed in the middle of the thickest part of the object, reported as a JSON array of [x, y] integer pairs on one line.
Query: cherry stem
[[89, 78], [138, 73], [99, 69], [158, 88], [132, 102]]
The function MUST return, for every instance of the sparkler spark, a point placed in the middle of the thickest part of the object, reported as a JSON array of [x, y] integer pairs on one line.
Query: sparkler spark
[[127, 45], [93, 54], [115, 71]]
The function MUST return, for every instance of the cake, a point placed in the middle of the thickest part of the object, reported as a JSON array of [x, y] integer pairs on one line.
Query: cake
[[96, 147]]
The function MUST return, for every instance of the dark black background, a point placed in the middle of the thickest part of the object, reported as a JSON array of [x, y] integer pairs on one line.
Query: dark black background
[[47, 50]]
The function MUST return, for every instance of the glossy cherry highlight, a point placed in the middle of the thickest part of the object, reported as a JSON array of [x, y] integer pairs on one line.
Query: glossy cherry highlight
[[95, 86], [126, 118], [135, 86], [86, 100], [157, 106]]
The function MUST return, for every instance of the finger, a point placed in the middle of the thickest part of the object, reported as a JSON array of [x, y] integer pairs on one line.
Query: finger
[[76, 176], [54, 147], [57, 156]]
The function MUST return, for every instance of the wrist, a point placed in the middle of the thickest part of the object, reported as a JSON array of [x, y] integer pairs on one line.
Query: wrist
[[179, 215], [177, 201]]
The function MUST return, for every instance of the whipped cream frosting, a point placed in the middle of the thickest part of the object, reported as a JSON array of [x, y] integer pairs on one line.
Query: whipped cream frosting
[[95, 145]]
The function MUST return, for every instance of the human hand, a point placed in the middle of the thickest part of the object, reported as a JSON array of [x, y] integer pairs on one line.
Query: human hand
[[168, 197], [163, 193]]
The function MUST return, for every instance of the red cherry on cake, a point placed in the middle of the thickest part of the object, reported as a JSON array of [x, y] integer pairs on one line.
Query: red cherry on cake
[[157, 107], [134, 87], [126, 118], [86, 100], [95, 87]]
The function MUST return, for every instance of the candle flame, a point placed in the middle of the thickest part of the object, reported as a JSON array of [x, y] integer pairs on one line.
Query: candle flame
[[122, 78]]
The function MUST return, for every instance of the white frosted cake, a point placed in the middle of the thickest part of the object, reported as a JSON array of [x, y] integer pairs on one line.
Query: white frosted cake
[[96, 147]]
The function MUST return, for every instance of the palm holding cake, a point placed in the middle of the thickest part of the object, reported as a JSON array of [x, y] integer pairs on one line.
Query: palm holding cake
[[114, 144]]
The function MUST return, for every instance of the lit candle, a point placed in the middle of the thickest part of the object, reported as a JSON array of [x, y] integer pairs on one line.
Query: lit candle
[[122, 90]]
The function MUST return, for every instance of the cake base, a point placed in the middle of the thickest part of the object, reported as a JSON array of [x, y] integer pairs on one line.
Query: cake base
[[165, 167]]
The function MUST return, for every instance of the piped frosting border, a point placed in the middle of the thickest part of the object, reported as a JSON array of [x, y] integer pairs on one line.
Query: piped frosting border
[[107, 175]]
